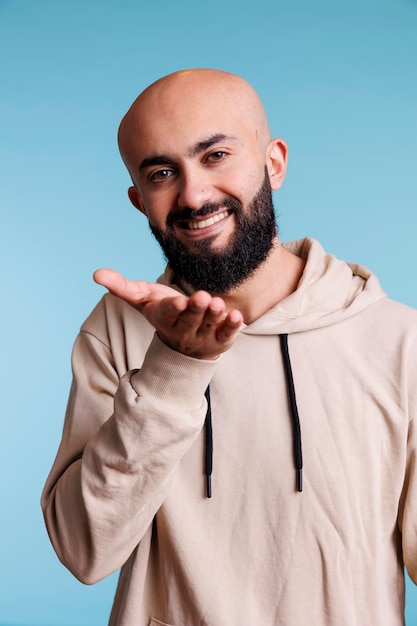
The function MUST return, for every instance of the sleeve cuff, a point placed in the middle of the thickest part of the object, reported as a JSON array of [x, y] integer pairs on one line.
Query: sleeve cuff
[[172, 378]]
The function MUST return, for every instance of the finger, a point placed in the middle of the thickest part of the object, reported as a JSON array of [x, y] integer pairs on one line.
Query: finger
[[197, 306], [229, 326], [200, 301], [169, 308], [110, 279], [132, 291], [215, 313]]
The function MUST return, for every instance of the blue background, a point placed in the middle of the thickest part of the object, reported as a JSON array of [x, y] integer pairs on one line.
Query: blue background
[[339, 82]]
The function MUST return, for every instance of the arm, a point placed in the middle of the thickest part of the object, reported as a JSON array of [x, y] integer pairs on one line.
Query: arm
[[122, 440], [407, 518]]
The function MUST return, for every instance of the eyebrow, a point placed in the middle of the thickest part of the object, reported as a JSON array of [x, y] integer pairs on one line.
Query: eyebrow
[[201, 146], [159, 159], [198, 148]]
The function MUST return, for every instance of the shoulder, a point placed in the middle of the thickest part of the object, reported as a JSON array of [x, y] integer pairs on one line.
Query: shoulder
[[391, 327], [400, 315]]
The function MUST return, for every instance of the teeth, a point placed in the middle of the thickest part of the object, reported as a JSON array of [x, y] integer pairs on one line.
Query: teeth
[[208, 222]]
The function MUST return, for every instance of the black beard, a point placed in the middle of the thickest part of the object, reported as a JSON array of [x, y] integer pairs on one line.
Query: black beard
[[221, 271]]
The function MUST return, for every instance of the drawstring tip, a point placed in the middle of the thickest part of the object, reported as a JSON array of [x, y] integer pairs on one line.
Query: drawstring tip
[[208, 486], [299, 480]]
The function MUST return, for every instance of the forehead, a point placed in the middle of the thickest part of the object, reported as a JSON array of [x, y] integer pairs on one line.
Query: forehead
[[187, 128], [182, 113], [179, 136]]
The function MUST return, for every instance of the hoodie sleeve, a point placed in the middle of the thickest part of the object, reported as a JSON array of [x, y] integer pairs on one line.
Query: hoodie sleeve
[[408, 503], [122, 440], [408, 511]]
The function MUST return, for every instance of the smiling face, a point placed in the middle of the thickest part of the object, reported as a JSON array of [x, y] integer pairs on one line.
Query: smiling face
[[219, 270], [196, 144]]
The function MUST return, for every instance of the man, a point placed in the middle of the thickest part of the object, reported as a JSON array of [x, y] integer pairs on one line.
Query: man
[[274, 353]]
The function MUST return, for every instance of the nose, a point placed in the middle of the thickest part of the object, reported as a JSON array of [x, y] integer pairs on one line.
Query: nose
[[194, 189]]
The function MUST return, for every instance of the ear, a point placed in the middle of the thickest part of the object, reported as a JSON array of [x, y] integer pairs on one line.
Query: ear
[[136, 199], [276, 162]]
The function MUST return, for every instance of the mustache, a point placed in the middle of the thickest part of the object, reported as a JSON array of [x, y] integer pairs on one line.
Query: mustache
[[207, 208]]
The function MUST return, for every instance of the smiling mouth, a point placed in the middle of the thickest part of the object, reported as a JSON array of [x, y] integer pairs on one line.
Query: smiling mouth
[[204, 223]]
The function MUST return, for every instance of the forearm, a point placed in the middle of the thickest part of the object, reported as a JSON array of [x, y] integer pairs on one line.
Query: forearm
[[98, 510]]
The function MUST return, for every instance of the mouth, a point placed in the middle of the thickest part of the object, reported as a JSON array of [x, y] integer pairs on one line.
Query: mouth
[[204, 222]]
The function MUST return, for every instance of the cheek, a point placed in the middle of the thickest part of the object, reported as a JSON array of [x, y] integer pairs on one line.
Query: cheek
[[244, 184], [156, 210]]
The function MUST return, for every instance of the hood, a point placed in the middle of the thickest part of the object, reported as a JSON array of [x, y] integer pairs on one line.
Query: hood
[[330, 290]]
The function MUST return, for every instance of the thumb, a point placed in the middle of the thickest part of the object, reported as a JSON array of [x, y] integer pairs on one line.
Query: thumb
[[112, 280], [132, 291]]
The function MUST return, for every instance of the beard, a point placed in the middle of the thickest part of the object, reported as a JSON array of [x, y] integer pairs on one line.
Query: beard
[[220, 271]]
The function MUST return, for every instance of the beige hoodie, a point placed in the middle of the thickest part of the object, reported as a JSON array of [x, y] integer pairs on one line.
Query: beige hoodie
[[127, 488]]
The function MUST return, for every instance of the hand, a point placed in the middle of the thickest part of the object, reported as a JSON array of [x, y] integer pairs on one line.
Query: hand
[[197, 326]]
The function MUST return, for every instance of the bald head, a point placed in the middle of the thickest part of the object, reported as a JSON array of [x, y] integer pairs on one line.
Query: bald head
[[188, 103]]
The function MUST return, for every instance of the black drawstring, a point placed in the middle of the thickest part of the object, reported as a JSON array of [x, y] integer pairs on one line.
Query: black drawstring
[[209, 443], [298, 455]]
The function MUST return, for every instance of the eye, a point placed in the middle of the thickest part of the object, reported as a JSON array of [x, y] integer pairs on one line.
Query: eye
[[217, 155], [161, 175]]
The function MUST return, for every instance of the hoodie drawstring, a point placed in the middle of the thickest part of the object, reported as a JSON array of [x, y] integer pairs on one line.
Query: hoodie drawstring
[[209, 443], [298, 454]]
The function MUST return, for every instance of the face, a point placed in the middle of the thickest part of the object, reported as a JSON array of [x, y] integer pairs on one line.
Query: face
[[215, 270], [198, 153]]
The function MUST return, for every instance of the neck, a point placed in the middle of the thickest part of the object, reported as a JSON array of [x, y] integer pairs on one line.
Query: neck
[[273, 281]]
